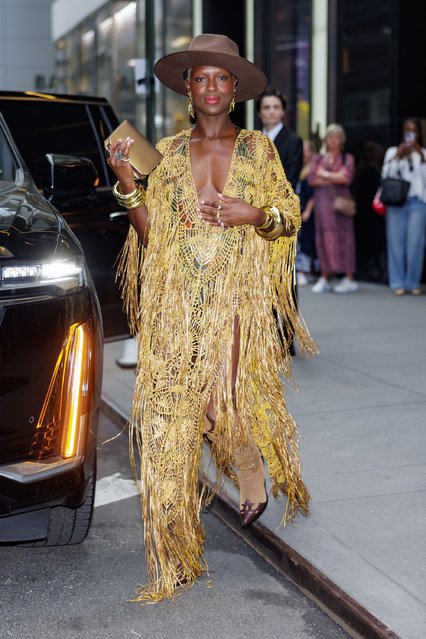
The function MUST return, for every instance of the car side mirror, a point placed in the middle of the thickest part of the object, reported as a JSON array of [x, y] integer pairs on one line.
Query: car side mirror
[[69, 178]]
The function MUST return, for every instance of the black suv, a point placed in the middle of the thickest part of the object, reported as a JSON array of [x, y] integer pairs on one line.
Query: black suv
[[50, 336], [48, 127]]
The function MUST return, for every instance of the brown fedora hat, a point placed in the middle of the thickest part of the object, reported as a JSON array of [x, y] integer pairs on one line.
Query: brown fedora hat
[[211, 49]]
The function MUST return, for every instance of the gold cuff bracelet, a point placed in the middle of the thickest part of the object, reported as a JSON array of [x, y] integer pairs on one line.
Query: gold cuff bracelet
[[273, 226]]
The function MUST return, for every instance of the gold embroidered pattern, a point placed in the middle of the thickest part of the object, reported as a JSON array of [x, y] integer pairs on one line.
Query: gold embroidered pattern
[[182, 295]]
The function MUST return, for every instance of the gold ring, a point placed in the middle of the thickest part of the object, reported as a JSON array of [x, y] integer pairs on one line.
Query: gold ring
[[125, 159]]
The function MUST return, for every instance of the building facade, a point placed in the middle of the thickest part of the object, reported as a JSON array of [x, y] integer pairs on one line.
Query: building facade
[[377, 67], [109, 49], [356, 62], [26, 49]]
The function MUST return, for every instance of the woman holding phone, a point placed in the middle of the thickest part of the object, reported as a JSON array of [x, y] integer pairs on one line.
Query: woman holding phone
[[208, 260], [406, 224]]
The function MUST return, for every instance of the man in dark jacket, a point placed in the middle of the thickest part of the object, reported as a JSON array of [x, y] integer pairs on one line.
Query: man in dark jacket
[[271, 107]]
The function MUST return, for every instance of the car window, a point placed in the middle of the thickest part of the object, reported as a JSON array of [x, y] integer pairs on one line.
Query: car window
[[104, 121], [10, 171], [40, 127]]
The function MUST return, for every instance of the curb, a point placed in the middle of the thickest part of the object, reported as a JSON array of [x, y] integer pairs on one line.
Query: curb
[[356, 620], [111, 410]]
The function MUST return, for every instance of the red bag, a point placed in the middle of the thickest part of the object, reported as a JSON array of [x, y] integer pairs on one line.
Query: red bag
[[377, 205]]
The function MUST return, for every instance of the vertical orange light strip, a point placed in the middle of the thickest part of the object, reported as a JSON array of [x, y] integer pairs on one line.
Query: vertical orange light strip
[[66, 403], [77, 363]]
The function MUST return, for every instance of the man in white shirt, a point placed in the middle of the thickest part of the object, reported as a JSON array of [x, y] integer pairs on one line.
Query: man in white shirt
[[271, 108]]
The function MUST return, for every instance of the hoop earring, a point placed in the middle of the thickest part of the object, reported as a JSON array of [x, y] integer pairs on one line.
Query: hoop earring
[[191, 112], [232, 105]]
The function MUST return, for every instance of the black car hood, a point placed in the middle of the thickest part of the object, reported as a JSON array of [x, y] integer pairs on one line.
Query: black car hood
[[30, 229]]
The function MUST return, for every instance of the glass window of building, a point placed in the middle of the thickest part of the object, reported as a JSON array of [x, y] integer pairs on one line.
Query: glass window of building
[[61, 66], [106, 55], [124, 51], [87, 65], [366, 44], [173, 33], [283, 51], [72, 48], [104, 61]]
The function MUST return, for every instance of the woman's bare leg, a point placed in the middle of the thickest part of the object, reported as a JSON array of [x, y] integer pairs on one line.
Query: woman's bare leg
[[248, 461], [209, 427]]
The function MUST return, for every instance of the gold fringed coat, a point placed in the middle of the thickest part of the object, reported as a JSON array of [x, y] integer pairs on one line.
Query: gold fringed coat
[[182, 295]]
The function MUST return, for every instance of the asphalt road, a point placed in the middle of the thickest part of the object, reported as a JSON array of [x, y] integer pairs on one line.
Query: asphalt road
[[81, 592]]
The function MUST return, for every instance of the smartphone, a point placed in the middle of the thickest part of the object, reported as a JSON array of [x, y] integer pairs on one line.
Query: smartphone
[[410, 137]]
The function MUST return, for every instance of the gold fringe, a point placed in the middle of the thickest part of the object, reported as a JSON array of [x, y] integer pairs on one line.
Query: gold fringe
[[182, 296], [129, 270]]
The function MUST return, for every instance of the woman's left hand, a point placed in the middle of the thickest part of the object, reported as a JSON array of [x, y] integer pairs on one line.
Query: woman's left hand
[[230, 211]]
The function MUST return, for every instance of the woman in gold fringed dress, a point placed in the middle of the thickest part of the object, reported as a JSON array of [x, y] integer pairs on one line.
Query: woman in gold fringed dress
[[208, 259]]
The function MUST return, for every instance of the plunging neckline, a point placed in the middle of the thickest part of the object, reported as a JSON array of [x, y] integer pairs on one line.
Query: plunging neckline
[[188, 154]]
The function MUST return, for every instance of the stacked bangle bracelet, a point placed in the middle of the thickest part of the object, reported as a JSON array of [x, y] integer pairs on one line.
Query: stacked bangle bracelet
[[273, 226], [129, 200]]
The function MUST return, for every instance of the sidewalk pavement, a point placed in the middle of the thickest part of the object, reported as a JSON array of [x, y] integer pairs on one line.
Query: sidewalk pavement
[[361, 412]]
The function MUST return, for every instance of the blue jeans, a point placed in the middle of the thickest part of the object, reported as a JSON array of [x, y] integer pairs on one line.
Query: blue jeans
[[405, 230]]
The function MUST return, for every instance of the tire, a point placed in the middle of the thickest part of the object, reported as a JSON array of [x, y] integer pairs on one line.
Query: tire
[[68, 526]]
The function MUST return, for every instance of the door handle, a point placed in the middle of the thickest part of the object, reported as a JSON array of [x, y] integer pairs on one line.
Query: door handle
[[117, 215]]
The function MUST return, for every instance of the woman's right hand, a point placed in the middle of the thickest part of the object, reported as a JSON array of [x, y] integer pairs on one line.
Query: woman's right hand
[[117, 153]]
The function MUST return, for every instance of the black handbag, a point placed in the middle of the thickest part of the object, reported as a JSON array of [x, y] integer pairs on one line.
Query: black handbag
[[395, 190]]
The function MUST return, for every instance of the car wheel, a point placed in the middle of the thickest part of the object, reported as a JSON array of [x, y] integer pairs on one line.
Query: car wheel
[[69, 526]]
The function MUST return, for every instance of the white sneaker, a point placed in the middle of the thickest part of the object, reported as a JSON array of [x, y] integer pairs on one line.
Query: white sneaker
[[346, 286], [302, 280], [129, 356], [322, 286]]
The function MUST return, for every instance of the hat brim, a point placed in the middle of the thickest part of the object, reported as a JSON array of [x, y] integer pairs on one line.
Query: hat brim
[[251, 80]]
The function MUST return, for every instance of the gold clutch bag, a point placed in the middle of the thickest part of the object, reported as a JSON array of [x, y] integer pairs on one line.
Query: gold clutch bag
[[143, 156]]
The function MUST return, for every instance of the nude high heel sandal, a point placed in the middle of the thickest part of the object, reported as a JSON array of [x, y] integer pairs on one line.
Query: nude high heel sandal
[[251, 479]]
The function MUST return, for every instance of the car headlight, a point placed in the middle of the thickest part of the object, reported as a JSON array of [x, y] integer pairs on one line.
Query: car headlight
[[66, 405], [66, 275]]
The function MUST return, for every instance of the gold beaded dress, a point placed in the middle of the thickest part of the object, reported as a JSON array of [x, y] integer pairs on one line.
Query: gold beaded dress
[[182, 295]]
